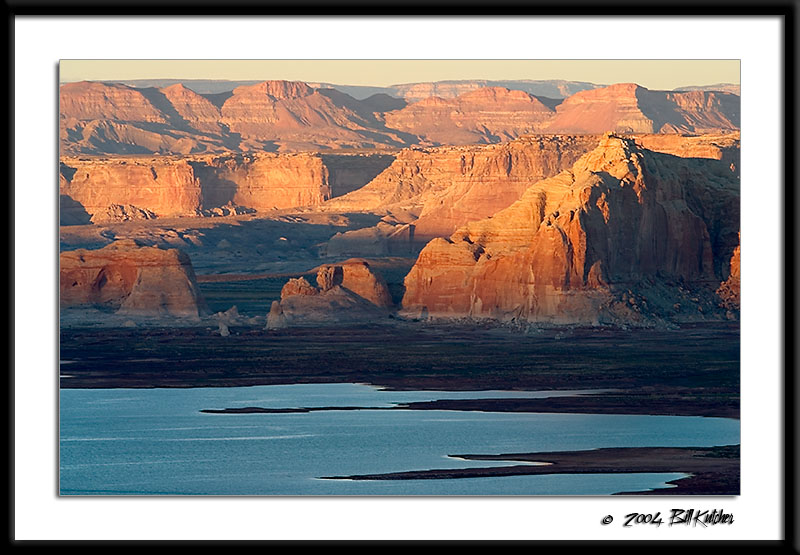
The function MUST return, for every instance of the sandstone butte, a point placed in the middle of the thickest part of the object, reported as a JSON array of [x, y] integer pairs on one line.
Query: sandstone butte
[[585, 245], [485, 115], [132, 280], [346, 291], [181, 186], [101, 118]]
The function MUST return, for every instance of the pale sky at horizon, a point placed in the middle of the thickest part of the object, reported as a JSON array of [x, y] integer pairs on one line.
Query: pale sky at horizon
[[652, 74]]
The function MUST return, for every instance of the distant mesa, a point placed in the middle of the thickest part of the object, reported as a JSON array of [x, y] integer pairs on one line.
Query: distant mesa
[[630, 108], [293, 116], [485, 115], [132, 280]]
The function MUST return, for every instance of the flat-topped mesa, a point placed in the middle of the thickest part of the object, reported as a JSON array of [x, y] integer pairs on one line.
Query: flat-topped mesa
[[167, 186], [132, 280], [630, 108], [163, 186], [485, 115], [88, 100], [277, 89], [562, 253]]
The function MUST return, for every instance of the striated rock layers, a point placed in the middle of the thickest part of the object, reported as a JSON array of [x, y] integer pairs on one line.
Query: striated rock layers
[[169, 186], [585, 245], [485, 115], [630, 108], [107, 118], [163, 186], [132, 280], [346, 292], [446, 187], [283, 116]]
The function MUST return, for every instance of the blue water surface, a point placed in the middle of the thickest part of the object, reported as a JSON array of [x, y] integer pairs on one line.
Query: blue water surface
[[157, 442]]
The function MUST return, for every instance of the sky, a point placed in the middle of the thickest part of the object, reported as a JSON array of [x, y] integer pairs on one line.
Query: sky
[[652, 74]]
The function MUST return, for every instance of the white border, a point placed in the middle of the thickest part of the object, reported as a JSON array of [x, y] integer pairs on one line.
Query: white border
[[41, 42]]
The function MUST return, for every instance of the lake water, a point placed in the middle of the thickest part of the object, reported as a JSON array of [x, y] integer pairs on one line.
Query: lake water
[[157, 442]]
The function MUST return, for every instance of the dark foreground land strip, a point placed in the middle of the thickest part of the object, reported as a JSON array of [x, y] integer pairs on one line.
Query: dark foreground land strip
[[712, 470], [664, 403]]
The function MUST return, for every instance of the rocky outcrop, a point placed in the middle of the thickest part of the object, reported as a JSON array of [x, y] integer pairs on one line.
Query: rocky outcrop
[[131, 280], [275, 318], [298, 286], [355, 275], [630, 108], [730, 290], [207, 184], [574, 244], [162, 185], [122, 213], [485, 115], [262, 181], [346, 292]]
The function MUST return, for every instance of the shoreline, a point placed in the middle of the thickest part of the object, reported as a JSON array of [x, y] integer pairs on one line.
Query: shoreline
[[711, 470]]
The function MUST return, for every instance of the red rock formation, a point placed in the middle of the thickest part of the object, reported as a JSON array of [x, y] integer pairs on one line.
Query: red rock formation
[[263, 181], [355, 275], [197, 111], [730, 290], [485, 115], [163, 185], [132, 280], [298, 286], [447, 187], [621, 214], [348, 292], [97, 118], [630, 108], [94, 101], [166, 186], [298, 117]]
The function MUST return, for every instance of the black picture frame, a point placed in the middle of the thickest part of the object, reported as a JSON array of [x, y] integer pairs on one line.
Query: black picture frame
[[787, 10]]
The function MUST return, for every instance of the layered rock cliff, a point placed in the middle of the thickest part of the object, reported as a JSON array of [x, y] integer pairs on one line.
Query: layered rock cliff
[[117, 189], [445, 187], [131, 280], [577, 247], [630, 108], [107, 118], [485, 115]]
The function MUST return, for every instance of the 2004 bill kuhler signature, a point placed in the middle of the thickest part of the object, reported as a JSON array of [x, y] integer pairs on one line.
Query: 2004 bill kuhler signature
[[685, 517]]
